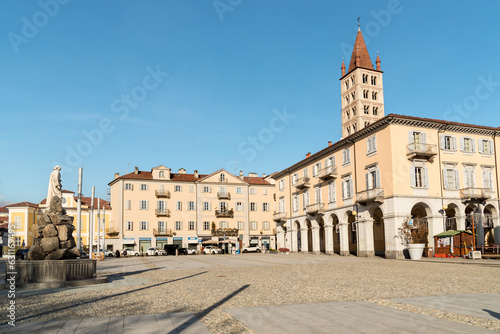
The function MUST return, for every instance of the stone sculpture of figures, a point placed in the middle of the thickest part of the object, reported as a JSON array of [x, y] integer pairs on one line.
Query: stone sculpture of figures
[[54, 185]]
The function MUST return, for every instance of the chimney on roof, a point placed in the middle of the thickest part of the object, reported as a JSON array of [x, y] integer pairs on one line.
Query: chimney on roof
[[196, 174], [117, 175], [264, 175], [377, 62], [308, 155], [136, 170], [329, 143], [241, 175], [252, 174], [182, 171], [343, 67]]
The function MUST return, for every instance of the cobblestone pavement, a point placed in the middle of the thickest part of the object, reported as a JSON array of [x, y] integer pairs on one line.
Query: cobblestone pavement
[[210, 286]]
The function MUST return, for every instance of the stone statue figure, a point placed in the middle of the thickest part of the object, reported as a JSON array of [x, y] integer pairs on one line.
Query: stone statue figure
[[54, 185]]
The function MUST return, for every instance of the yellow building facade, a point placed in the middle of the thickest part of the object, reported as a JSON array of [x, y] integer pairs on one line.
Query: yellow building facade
[[157, 207], [352, 196]]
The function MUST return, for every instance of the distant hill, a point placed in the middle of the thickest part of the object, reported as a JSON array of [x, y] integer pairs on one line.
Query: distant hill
[[4, 203]]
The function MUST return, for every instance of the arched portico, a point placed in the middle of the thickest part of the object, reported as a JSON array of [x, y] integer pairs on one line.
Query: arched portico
[[378, 231], [335, 233]]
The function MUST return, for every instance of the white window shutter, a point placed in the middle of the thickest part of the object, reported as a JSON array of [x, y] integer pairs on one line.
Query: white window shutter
[[147, 205], [412, 176], [462, 139], [445, 184], [485, 180], [490, 174], [410, 137], [426, 177], [480, 146], [343, 189], [350, 189], [454, 141], [473, 145], [367, 177], [457, 179], [379, 184], [374, 143], [423, 138], [441, 137], [490, 146]]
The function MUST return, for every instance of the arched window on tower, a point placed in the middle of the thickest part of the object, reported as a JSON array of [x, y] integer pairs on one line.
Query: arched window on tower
[[374, 80], [347, 84], [353, 81], [348, 114], [348, 130], [365, 78], [367, 110], [354, 111], [375, 111], [354, 128], [374, 96], [365, 94]]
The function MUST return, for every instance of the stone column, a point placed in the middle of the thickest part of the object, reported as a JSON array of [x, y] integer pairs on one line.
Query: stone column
[[479, 225], [329, 239], [280, 234], [291, 239], [315, 240], [368, 242], [460, 221], [393, 246], [304, 241], [344, 239]]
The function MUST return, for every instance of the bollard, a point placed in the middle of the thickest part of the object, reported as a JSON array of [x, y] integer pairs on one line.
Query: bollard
[[176, 252]]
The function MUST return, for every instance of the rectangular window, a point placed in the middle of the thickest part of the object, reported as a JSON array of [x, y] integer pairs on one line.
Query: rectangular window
[[128, 186], [162, 226], [161, 206], [239, 206], [253, 206], [17, 223], [253, 191], [281, 184], [295, 202], [128, 226], [143, 205], [128, 204], [305, 172], [317, 194], [239, 190], [178, 188], [346, 154], [330, 161], [295, 178], [485, 146], [206, 189], [206, 226], [206, 206], [347, 191], [223, 224], [467, 145], [191, 189], [316, 168], [371, 143], [223, 206], [281, 204], [144, 186], [331, 192], [488, 178], [17, 240], [264, 191], [448, 143], [419, 177], [241, 225], [266, 226], [191, 206], [178, 206], [253, 225], [143, 226], [469, 178], [265, 207], [306, 198], [191, 226], [178, 225]]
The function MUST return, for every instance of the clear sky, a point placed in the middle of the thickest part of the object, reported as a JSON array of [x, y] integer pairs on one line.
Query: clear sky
[[246, 85]]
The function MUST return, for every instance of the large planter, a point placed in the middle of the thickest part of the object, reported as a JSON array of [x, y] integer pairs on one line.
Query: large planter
[[416, 251]]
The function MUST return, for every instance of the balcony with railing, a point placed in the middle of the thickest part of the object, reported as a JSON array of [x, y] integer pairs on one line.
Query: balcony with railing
[[328, 173], [486, 219], [224, 213], [166, 232], [302, 183], [221, 232], [112, 232], [370, 195], [279, 216], [223, 195], [162, 212], [475, 194], [422, 151], [313, 209], [162, 193]]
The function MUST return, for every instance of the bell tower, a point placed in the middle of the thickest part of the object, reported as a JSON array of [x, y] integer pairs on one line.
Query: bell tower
[[361, 88]]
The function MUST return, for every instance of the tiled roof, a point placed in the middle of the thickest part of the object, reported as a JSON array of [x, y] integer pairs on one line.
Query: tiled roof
[[4, 219], [32, 205], [185, 177], [4, 209], [87, 201], [4, 225], [64, 191], [361, 51]]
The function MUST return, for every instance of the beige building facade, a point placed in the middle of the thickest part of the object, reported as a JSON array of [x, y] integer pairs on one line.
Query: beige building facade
[[352, 196], [157, 207]]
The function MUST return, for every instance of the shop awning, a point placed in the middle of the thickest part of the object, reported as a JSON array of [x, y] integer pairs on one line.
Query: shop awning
[[450, 233], [128, 241]]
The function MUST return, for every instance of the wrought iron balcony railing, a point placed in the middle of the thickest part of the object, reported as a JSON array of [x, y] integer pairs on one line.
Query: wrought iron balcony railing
[[224, 213], [224, 195], [163, 231], [162, 193], [162, 212]]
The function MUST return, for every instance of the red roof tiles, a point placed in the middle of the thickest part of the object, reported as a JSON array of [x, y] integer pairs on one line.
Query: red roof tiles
[[32, 205], [361, 52]]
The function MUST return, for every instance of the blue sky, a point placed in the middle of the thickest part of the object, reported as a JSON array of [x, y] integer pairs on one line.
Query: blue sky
[[109, 85]]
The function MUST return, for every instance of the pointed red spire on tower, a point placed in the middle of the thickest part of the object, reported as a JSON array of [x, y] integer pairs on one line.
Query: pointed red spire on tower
[[343, 67], [360, 56], [377, 62]]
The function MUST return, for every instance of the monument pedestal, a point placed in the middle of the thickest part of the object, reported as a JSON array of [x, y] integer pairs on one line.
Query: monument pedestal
[[54, 273]]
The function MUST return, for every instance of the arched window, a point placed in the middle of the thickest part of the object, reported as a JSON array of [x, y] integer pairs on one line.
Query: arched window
[[162, 174], [222, 177]]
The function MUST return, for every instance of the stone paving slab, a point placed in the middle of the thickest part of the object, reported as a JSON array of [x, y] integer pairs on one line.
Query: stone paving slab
[[481, 305], [344, 317], [181, 322]]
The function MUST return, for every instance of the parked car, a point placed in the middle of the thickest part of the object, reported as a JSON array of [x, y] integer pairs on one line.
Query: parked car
[[170, 250], [155, 251], [251, 249], [212, 250], [192, 251], [22, 254], [130, 252], [108, 253]]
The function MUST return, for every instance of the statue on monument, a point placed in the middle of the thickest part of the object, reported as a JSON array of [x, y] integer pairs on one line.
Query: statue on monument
[[55, 185]]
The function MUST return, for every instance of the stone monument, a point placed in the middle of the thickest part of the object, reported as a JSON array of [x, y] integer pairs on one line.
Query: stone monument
[[53, 232]]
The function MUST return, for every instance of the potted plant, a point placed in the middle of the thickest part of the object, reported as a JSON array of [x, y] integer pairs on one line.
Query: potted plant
[[413, 234], [285, 251]]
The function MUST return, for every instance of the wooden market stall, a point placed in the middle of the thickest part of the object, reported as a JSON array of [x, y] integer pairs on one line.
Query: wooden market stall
[[453, 243]]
